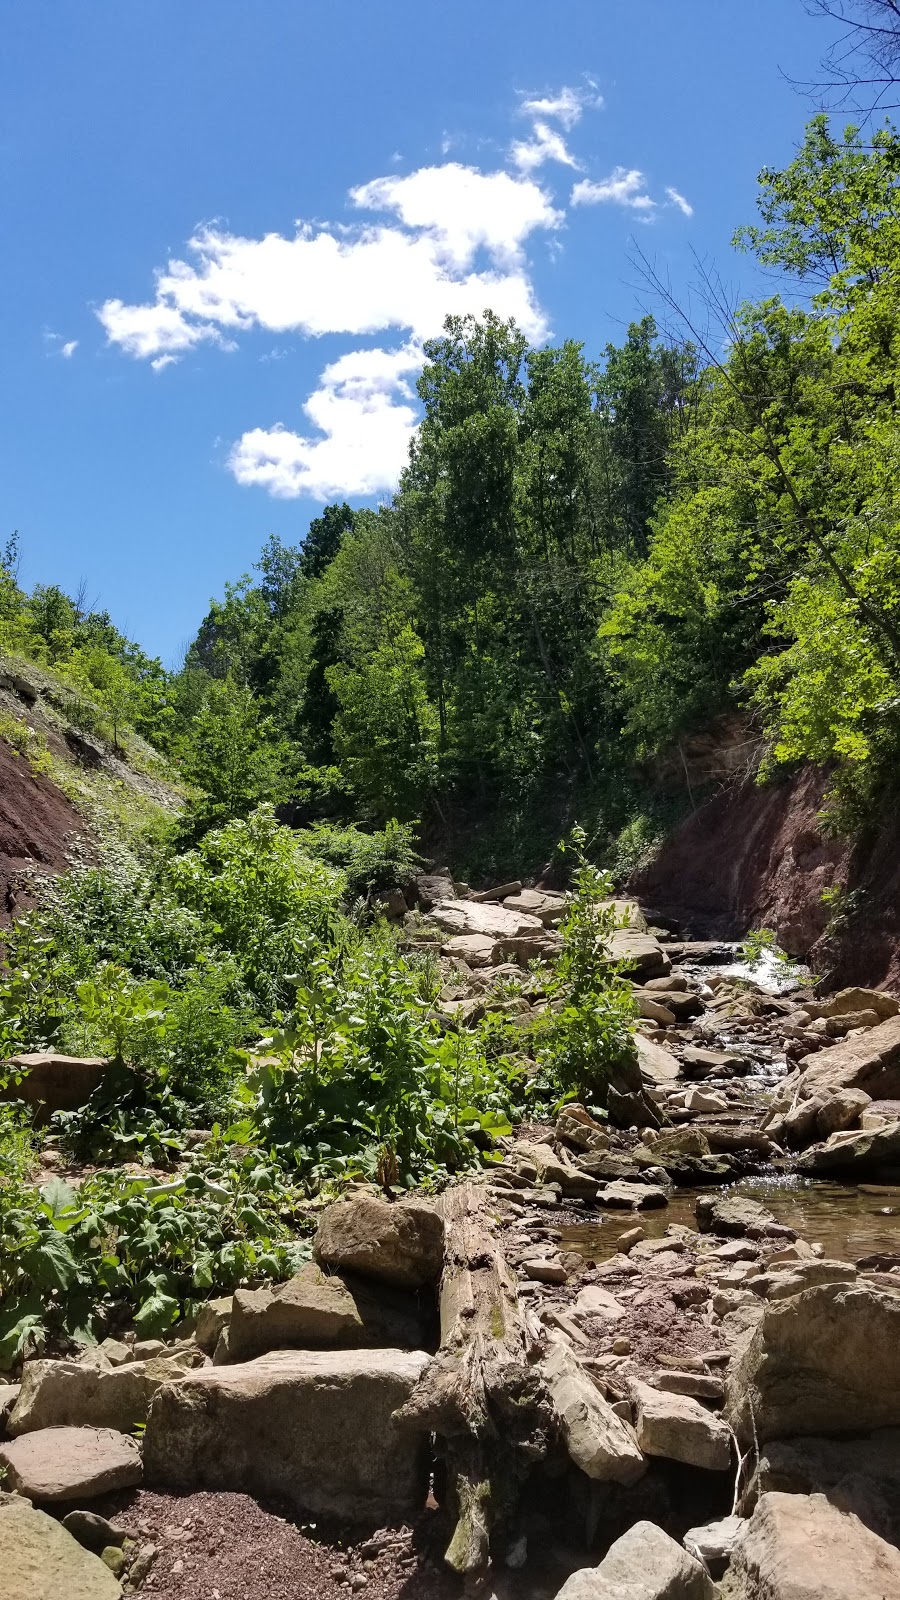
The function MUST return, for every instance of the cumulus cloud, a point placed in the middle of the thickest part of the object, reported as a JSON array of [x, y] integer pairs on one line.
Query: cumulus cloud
[[463, 210], [625, 186], [365, 416], [445, 239], [679, 201]]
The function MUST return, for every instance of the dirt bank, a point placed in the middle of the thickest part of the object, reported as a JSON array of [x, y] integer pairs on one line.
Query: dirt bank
[[38, 827], [756, 856]]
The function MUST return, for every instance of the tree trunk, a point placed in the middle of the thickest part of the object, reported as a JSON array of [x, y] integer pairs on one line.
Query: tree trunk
[[480, 1395]]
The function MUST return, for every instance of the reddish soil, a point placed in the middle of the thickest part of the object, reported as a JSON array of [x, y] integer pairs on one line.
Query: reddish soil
[[37, 827], [231, 1547]]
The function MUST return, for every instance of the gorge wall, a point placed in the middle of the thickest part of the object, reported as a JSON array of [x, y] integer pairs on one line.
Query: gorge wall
[[755, 856]]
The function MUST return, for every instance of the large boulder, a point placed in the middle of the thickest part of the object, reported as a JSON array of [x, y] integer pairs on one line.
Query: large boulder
[[39, 1560], [825, 1361], [467, 916], [869, 1060], [76, 1394], [476, 949], [598, 1441], [861, 1475], [401, 1244], [800, 1547], [645, 1564], [311, 1427], [548, 908], [59, 1464], [681, 1429], [856, 1155], [51, 1082]]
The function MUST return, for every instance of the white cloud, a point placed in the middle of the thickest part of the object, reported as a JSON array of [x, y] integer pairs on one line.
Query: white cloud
[[463, 209], [545, 145], [566, 106], [624, 187], [363, 411], [353, 281], [679, 201], [56, 346]]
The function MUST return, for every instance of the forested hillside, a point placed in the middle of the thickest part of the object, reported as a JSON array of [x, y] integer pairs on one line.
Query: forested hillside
[[590, 557]]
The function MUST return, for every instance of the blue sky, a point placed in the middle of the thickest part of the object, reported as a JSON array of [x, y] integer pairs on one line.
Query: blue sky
[[220, 213]]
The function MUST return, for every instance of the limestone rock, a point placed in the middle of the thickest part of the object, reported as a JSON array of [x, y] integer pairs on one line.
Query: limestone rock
[[632, 1196], [803, 1275], [548, 908], [641, 953], [678, 1427], [714, 1543], [311, 1310], [593, 1301], [467, 916], [847, 1001], [476, 949], [658, 1065], [825, 1361], [602, 1444], [861, 1475], [799, 1547], [39, 1560], [841, 1111], [736, 1217], [576, 1126], [73, 1394], [58, 1464], [213, 1317], [698, 1062], [645, 1564], [401, 1244], [855, 1155], [869, 1061], [311, 1427]]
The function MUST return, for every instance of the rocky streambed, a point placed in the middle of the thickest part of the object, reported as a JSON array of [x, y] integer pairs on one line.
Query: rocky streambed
[[649, 1356]]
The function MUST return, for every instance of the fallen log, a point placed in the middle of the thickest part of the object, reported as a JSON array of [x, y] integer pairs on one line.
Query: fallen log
[[480, 1395]]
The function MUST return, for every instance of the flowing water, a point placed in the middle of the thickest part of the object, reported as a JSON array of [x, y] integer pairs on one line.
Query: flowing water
[[848, 1222]]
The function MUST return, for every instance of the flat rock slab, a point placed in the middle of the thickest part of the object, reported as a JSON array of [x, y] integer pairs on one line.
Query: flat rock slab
[[476, 949], [400, 1244], [854, 1155], [599, 1441], [800, 1547], [39, 1560], [59, 1464], [624, 1196], [861, 1475], [470, 916], [679, 1428], [658, 1065], [645, 1564], [311, 1427]]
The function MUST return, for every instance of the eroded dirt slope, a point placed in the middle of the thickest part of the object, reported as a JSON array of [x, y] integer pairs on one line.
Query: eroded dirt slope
[[756, 856], [39, 827]]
